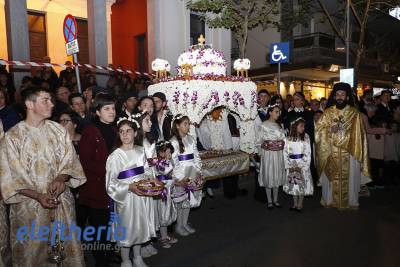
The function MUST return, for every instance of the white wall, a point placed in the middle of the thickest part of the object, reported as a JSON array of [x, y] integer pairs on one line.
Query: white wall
[[168, 25], [258, 46]]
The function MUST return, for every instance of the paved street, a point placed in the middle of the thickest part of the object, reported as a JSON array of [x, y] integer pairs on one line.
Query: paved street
[[244, 233]]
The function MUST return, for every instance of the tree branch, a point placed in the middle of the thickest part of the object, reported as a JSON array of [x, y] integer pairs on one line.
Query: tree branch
[[355, 14], [334, 27]]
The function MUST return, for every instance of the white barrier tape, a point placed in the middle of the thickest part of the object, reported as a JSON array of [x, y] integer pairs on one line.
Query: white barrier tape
[[89, 66]]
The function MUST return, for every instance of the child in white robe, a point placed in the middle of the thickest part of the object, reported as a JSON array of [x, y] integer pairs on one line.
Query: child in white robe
[[165, 205], [187, 171], [149, 145], [270, 144], [126, 166], [297, 154]]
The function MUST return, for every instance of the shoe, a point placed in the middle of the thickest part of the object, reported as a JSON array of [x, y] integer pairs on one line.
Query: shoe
[[181, 231], [299, 209], [145, 252], [292, 208], [277, 205], [210, 192], [379, 186], [270, 206], [172, 240], [165, 243], [371, 185], [126, 264], [152, 249], [189, 229], [138, 262]]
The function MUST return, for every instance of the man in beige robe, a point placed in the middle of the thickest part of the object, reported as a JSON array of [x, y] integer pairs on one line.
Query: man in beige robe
[[38, 164], [5, 253]]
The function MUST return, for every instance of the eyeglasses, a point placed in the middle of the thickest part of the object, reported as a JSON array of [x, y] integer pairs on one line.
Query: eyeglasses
[[65, 121]]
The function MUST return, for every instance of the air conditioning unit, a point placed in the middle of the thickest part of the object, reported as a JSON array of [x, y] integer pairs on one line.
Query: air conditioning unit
[[386, 67]]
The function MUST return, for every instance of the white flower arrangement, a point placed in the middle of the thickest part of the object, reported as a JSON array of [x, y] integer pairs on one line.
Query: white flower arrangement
[[241, 64], [160, 65], [196, 98], [204, 61]]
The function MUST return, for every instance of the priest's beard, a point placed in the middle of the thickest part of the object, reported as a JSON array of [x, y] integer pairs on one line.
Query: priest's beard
[[340, 104]]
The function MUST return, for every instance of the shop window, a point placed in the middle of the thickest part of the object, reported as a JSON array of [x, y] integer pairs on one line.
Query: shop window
[[37, 36], [141, 53], [197, 27], [83, 40]]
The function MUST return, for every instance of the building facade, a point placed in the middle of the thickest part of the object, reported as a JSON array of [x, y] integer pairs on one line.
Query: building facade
[[126, 33]]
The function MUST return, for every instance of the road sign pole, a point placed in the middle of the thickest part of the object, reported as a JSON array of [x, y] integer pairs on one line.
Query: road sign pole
[[279, 77], [78, 80]]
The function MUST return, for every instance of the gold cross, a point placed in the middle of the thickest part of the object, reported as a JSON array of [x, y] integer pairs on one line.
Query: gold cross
[[201, 40]]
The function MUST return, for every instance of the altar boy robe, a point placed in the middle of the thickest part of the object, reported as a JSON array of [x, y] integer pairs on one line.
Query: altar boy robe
[[133, 210]]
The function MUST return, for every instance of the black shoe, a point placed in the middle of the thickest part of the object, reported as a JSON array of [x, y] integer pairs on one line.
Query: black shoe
[[242, 192], [371, 185], [292, 208], [270, 206], [277, 205], [299, 209]]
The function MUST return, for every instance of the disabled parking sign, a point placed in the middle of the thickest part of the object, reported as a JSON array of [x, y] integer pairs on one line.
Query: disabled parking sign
[[279, 53]]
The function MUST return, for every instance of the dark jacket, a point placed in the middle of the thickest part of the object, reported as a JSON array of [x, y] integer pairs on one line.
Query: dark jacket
[[307, 116], [166, 127], [93, 153], [8, 117], [384, 113]]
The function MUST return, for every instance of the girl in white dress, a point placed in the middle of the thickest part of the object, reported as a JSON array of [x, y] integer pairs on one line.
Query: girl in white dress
[[270, 143], [187, 170], [165, 205], [149, 145], [297, 154], [126, 166]]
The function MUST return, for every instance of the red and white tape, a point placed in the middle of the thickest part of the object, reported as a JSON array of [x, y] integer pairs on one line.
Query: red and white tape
[[89, 66]]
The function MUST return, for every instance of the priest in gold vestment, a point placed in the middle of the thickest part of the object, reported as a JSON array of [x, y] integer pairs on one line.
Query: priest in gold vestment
[[38, 164], [342, 150]]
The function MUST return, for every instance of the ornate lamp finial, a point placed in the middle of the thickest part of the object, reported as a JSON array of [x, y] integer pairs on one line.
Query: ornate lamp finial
[[201, 40]]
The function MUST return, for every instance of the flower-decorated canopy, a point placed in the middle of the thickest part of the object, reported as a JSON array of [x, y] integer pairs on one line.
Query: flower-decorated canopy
[[197, 97]]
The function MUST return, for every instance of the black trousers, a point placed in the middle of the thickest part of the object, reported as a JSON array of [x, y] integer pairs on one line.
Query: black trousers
[[376, 170], [95, 218]]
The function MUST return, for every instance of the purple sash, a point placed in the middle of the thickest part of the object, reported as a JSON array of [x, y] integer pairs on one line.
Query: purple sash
[[296, 156], [186, 157], [131, 172], [163, 178]]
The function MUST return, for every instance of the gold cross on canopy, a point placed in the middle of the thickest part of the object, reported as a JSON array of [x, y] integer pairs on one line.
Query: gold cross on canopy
[[201, 40]]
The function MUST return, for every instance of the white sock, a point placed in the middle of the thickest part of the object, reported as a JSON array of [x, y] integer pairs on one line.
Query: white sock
[[163, 232], [185, 216], [268, 191], [136, 251], [125, 253], [179, 219], [276, 190], [295, 201], [300, 204]]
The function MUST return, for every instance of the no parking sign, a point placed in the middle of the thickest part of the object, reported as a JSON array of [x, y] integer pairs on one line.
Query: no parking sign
[[70, 31]]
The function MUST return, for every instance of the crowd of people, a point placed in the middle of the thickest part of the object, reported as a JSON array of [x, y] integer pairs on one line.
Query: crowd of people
[[84, 158]]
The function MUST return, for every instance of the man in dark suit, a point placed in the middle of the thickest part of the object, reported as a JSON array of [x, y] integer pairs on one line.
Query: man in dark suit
[[384, 112], [263, 100], [161, 118]]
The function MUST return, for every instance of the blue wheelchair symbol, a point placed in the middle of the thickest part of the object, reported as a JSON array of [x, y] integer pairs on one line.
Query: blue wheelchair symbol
[[279, 53]]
